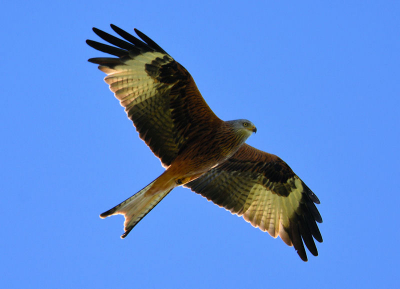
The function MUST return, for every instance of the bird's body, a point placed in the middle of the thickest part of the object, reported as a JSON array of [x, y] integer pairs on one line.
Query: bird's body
[[199, 150], [184, 168]]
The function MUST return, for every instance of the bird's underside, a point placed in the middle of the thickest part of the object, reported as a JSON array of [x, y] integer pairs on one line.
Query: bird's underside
[[199, 150]]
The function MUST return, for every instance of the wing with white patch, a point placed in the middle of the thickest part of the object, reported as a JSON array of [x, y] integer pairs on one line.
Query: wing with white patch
[[159, 94], [265, 191]]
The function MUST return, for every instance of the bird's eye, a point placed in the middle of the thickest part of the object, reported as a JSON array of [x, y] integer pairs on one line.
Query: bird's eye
[[245, 124]]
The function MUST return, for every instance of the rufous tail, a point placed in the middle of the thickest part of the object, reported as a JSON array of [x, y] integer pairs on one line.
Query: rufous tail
[[136, 207]]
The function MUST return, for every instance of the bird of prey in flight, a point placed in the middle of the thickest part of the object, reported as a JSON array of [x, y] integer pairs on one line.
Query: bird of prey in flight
[[199, 150]]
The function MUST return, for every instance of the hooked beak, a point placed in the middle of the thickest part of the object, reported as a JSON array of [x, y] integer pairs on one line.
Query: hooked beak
[[254, 129]]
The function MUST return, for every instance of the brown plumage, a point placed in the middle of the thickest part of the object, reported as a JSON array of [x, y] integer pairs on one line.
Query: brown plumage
[[199, 150]]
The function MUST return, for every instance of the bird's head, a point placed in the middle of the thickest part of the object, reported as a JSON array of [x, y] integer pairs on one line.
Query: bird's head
[[243, 127]]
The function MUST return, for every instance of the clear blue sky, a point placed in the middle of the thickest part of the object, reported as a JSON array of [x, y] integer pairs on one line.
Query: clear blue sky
[[320, 80]]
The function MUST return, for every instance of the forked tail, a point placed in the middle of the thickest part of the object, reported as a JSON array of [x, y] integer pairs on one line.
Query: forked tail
[[136, 207]]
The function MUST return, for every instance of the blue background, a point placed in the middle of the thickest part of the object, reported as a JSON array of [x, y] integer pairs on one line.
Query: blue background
[[321, 82]]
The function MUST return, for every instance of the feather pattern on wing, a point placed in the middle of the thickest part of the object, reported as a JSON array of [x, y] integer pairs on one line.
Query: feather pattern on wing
[[159, 94], [265, 191]]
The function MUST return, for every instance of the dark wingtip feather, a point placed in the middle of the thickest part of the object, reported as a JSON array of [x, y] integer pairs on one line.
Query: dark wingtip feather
[[295, 236], [113, 40], [314, 211], [106, 48], [313, 227], [149, 41], [131, 47], [313, 197], [132, 39], [301, 251], [307, 237], [91, 60], [107, 61]]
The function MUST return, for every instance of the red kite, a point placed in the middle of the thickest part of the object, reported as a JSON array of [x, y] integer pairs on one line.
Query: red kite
[[199, 150]]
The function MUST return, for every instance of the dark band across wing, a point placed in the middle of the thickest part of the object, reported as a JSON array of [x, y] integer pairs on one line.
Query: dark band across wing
[[266, 192], [159, 94]]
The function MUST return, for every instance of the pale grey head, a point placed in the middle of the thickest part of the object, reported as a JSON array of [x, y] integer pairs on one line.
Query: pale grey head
[[243, 128]]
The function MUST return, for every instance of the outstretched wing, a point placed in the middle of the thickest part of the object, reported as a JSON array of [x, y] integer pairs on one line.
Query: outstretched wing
[[267, 193], [159, 94]]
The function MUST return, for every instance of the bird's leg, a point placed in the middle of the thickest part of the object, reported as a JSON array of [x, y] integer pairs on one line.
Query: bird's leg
[[185, 180]]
